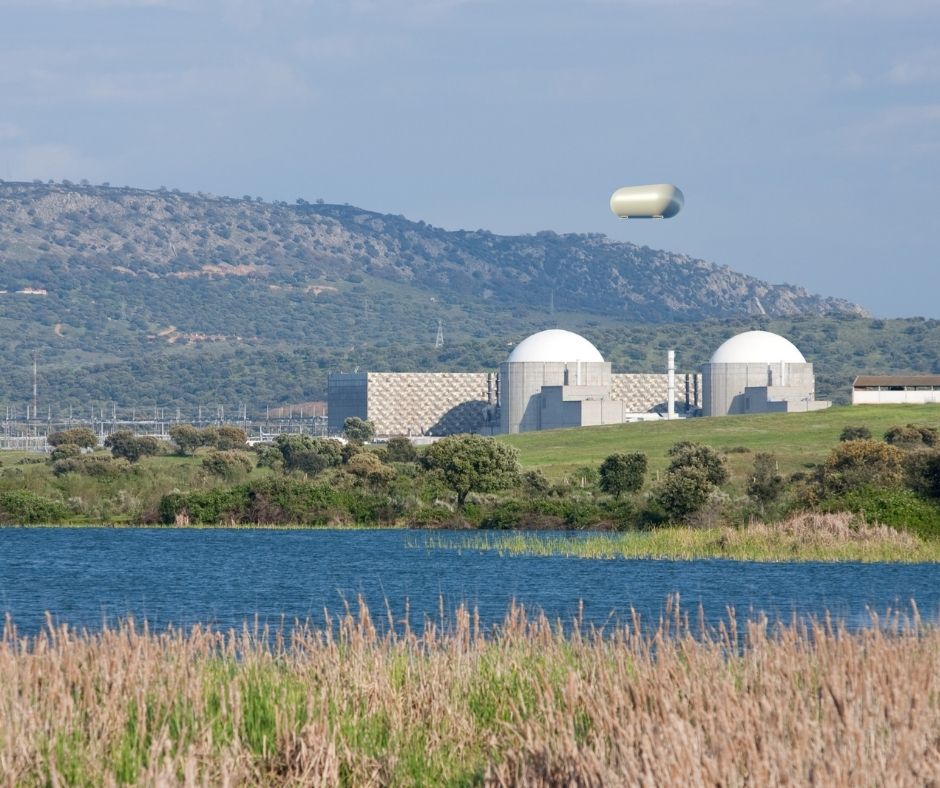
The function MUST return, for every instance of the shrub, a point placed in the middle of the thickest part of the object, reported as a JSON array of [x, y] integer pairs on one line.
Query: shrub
[[912, 436], [534, 483], [622, 473], [765, 484], [585, 476], [65, 451], [22, 507], [860, 463], [98, 467], [897, 507], [850, 433], [227, 464], [922, 471], [696, 455], [367, 465]]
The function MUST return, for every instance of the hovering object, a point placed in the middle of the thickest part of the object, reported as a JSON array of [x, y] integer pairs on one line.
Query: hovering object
[[656, 201]]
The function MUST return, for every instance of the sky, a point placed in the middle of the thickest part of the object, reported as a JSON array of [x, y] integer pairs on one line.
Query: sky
[[805, 134]]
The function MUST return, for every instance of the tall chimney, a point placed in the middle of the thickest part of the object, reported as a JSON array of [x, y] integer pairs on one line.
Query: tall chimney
[[671, 387]]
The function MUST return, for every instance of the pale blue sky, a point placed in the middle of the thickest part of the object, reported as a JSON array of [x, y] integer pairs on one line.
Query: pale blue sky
[[804, 133]]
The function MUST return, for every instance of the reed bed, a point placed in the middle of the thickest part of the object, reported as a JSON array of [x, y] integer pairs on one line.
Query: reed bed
[[803, 537], [529, 703]]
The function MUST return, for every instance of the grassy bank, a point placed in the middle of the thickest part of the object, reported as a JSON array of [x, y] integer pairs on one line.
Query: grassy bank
[[805, 704], [797, 440], [806, 537]]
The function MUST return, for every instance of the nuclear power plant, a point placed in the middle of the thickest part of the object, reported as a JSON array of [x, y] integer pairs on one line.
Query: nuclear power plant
[[557, 379], [553, 379]]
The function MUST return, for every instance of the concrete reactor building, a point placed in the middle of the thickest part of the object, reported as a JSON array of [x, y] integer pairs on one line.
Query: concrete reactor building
[[556, 379], [758, 372]]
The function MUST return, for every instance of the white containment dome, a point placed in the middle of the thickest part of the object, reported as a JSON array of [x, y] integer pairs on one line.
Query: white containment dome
[[554, 345], [656, 201], [757, 347]]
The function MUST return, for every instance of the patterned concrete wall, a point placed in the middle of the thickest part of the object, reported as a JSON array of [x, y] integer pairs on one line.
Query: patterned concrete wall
[[641, 393], [427, 403]]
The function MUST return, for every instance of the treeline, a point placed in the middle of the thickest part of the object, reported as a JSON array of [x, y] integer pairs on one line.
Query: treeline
[[464, 481]]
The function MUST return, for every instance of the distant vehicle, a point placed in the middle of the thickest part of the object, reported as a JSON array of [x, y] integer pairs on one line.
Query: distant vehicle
[[655, 201]]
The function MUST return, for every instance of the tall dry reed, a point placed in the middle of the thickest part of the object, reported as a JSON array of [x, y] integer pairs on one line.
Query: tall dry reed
[[527, 704]]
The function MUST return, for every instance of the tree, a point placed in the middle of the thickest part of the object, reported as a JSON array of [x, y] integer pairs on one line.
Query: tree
[[82, 437], [683, 491], [186, 437], [124, 443], [400, 449], [308, 454], [623, 473], [765, 484], [696, 455], [230, 437], [358, 430], [850, 433], [473, 463]]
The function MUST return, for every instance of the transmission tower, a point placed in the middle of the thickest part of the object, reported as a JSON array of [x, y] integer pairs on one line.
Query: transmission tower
[[439, 340]]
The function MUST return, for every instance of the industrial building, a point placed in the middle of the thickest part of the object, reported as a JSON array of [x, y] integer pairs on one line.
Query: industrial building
[[896, 389], [551, 380], [758, 372]]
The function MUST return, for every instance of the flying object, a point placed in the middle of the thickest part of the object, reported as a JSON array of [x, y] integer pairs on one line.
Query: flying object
[[656, 201]]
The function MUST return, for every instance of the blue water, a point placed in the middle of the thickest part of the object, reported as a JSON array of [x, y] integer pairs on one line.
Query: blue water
[[224, 577]]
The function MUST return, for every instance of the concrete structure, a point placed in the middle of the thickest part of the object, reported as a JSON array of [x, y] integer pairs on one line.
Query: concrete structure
[[413, 403], [896, 389], [758, 372]]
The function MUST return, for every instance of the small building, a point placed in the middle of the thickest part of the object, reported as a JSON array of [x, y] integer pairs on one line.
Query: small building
[[896, 390], [758, 372]]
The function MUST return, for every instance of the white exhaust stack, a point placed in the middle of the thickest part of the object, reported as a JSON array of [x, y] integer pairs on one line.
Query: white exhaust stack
[[671, 398]]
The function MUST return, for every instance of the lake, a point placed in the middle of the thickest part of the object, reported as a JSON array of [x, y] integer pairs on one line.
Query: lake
[[87, 576]]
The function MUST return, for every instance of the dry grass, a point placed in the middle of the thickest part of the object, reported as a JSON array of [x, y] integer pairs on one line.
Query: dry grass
[[808, 536], [809, 703]]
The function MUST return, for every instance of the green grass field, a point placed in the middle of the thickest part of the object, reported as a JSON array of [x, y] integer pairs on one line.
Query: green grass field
[[799, 440]]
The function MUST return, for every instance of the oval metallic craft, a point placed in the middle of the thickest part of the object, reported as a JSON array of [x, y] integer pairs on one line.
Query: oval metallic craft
[[655, 201]]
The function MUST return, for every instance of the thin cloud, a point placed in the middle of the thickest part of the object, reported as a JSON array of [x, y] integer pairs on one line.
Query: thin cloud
[[920, 68]]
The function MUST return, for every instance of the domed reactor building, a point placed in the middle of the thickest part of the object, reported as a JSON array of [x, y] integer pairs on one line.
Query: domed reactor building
[[551, 380], [758, 372]]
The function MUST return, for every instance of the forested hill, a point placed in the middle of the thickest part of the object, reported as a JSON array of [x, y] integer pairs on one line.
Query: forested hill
[[158, 296]]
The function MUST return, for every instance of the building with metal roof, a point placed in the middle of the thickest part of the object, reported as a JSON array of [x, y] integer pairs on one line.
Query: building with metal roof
[[896, 389]]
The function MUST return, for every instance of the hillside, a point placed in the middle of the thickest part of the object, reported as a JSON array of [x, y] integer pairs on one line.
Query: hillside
[[145, 297]]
